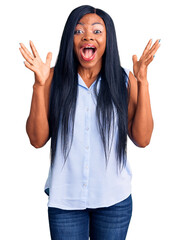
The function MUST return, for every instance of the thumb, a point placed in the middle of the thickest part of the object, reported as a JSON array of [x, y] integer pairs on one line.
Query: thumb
[[134, 58], [49, 58]]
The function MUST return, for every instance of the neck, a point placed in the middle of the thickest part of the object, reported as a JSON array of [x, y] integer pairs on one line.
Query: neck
[[89, 74]]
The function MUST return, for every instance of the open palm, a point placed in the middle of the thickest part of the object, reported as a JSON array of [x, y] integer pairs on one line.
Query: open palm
[[35, 64], [140, 66]]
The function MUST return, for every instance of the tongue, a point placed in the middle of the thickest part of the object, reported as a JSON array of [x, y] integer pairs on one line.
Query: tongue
[[88, 52]]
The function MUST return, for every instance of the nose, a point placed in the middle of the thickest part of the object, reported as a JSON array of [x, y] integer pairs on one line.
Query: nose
[[87, 37]]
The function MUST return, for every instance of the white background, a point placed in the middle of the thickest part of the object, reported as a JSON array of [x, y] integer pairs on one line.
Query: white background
[[24, 169]]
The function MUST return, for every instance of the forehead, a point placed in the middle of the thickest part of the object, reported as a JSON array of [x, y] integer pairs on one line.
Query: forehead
[[91, 18]]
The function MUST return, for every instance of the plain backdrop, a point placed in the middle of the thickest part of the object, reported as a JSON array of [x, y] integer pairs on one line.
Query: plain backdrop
[[24, 169]]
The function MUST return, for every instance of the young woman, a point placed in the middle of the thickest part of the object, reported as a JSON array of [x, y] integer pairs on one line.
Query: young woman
[[88, 104]]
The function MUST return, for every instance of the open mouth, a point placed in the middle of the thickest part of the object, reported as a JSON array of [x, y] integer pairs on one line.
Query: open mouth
[[88, 52]]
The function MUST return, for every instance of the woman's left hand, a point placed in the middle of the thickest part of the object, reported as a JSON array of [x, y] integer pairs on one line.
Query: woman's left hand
[[140, 67]]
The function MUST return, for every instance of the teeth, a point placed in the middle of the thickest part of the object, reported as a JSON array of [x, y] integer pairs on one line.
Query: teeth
[[89, 47]]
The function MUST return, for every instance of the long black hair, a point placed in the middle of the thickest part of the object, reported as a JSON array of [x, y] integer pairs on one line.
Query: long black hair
[[112, 92]]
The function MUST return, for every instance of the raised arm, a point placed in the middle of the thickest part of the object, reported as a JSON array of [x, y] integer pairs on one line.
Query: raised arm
[[140, 120], [37, 125]]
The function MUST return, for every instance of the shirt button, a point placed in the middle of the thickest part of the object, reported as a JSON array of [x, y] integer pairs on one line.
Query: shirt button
[[87, 147], [87, 109], [89, 92], [84, 185], [87, 128], [87, 167]]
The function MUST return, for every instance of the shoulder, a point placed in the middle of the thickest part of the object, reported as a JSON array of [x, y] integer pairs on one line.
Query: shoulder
[[132, 85], [126, 71], [131, 79]]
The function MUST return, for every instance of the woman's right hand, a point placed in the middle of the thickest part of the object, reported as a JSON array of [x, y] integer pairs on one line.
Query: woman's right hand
[[35, 64]]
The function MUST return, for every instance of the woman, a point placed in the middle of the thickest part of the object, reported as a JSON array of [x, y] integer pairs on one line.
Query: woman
[[87, 104]]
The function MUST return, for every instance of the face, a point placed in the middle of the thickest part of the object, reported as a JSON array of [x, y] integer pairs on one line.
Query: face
[[90, 40]]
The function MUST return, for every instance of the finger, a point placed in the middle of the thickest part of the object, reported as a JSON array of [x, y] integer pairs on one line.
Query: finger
[[147, 47], [48, 59], [134, 58], [26, 56], [149, 60], [26, 50], [35, 52], [152, 54], [155, 49], [31, 67], [152, 51], [155, 46]]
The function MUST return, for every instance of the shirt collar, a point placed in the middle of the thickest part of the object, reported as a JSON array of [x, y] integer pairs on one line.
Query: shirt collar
[[82, 83]]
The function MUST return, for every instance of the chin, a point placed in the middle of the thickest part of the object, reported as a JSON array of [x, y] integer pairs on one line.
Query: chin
[[90, 64]]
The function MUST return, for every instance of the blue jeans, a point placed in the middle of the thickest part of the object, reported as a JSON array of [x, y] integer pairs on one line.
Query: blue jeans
[[107, 223]]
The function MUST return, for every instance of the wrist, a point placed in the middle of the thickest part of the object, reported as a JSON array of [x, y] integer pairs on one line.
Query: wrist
[[143, 81], [37, 85]]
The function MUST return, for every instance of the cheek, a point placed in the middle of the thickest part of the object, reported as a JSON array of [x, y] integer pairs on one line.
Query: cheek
[[103, 45], [76, 44]]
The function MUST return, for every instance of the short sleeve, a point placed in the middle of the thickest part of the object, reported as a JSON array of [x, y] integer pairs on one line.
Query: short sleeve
[[127, 78]]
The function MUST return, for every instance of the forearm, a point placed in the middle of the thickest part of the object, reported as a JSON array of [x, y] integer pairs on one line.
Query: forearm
[[37, 125], [142, 126]]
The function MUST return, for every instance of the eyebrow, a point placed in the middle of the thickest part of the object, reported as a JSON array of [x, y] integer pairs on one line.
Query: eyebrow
[[91, 24]]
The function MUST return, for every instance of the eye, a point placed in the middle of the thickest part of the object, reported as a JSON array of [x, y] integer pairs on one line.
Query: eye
[[97, 31], [78, 31]]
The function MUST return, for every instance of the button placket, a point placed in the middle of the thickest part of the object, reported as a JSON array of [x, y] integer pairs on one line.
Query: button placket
[[87, 122], [87, 142]]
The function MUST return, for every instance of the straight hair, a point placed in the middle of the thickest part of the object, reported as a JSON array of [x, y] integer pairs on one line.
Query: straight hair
[[112, 92]]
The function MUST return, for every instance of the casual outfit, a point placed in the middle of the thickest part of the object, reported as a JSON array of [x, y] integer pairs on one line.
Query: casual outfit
[[83, 185]]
